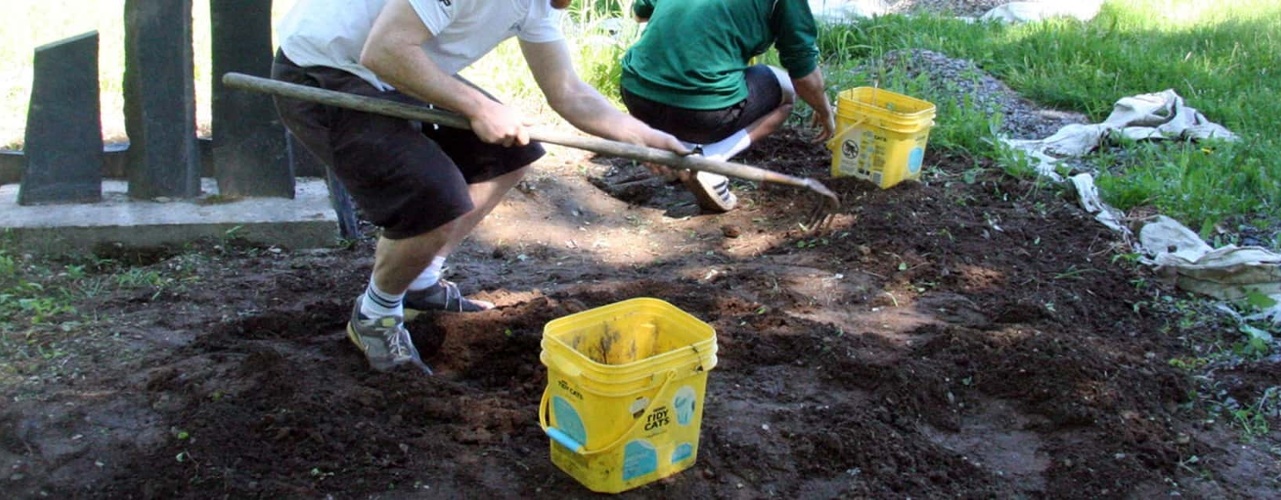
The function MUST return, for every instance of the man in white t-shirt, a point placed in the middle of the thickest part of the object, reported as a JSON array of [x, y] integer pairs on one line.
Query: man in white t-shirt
[[427, 187]]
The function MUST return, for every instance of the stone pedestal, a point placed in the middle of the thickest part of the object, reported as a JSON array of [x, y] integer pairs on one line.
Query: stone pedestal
[[63, 144], [249, 150], [160, 100]]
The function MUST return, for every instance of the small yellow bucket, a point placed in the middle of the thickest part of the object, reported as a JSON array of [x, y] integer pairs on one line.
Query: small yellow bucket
[[881, 135], [624, 398]]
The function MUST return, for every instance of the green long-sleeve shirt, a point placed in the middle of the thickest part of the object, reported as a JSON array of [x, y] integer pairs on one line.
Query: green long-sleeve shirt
[[693, 52]]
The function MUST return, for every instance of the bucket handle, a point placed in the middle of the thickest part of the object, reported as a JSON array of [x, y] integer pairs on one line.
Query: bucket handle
[[577, 447], [831, 143]]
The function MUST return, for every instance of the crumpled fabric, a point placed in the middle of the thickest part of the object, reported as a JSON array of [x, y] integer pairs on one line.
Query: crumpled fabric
[[1229, 272], [842, 10], [1026, 12], [1088, 195], [1160, 115], [1178, 253]]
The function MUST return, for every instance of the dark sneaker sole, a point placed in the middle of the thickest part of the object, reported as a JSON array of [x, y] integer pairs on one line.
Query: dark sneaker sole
[[411, 313]]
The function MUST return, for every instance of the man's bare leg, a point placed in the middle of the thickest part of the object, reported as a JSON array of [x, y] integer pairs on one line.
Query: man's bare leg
[[427, 291], [398, 262]]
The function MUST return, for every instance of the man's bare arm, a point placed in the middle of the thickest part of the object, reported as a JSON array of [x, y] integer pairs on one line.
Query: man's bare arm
[[394, 53], [810, 88], [582, 105]]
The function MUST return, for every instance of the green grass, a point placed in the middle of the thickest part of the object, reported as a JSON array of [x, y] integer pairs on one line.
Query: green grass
[[48, 303], [1221, 56]]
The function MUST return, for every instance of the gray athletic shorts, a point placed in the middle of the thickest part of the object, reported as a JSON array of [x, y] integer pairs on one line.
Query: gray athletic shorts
[[764, 93], [407, 177]]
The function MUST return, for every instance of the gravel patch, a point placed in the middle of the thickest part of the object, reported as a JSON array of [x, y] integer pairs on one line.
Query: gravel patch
[[961, 79]]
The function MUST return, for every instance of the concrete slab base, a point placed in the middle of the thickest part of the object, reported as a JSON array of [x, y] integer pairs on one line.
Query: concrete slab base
[[307, 221]]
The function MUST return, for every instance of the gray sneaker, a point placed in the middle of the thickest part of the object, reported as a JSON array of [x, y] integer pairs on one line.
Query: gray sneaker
[[385, 341], [443, 296]]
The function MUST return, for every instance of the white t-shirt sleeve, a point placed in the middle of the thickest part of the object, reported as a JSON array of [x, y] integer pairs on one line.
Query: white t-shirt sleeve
[[435, 14], [542, 25]]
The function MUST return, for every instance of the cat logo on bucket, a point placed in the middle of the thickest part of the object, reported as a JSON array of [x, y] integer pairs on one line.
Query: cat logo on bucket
[[849, 149]]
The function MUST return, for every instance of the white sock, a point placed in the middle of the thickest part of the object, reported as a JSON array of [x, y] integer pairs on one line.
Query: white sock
[[726, 148], [429, 276], [376, 303]]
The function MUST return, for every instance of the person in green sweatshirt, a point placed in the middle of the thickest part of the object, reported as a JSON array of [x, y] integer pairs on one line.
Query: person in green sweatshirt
[[691, 74]]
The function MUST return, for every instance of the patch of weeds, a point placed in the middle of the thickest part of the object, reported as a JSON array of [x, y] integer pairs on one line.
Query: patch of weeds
[[923, 286], [31, 293], [1013, 161], [1192, 465], [52, 305], [1219, 341], [1189, 363], [1251, 422]]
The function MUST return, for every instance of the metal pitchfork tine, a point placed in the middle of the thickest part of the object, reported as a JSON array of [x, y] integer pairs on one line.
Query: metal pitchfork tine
[[824, 212], [820, 216]]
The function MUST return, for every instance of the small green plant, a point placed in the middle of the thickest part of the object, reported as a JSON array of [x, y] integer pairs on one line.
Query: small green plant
[[8, 266], [1075, 273], [1252, 423], [812, 242]]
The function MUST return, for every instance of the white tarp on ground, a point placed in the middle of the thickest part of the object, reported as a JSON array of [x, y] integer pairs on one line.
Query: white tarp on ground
[[841, 10], [1024, 12], [1226, 273], [1160, 115]]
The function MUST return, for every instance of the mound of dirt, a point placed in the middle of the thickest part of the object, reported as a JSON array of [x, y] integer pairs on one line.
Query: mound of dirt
[[969, 335]]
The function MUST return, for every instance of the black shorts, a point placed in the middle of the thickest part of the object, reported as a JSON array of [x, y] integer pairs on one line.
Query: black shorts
[[764, 94], [407, 177]]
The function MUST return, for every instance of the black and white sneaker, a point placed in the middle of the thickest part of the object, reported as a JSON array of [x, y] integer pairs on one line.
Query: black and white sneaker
[[712, 191]]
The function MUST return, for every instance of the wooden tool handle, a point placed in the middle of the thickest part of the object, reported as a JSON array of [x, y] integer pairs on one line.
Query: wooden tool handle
[[593, 144]]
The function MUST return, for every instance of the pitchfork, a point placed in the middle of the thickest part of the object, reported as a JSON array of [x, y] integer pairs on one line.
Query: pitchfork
[[818, 217]]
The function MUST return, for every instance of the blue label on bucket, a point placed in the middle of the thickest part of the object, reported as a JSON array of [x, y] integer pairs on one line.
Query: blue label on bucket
[[639, 458], [682, 452], [567, 420], [914, 160], [684, 403]]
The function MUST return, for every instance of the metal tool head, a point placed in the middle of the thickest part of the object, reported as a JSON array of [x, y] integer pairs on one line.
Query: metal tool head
[[821, 215]]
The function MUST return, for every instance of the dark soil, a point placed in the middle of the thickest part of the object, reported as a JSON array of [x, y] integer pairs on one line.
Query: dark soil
[[970, 335]]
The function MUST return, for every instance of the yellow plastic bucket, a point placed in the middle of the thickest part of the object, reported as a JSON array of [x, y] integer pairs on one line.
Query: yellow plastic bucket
[[624, 398], [880, 135]]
